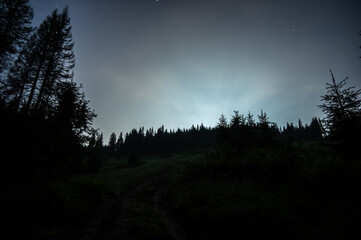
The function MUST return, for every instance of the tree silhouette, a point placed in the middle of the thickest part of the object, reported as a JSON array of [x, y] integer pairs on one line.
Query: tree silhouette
[[263, 119], [237, 119], [300, 124], [112, 142], [73, 113], [92, 139], [99, 141], [264, 133], [119, 142], [15, 20], [46, 60], [222, 122], [315, 129], [61, 60], [341, 106], [249, 119], [311, 132], [45, 120], [20, 75], [67, 130]]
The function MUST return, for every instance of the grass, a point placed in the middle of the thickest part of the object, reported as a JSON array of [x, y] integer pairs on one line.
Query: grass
[[50, 209], [141, 219], [300, 191], [290, 191], [60, 208], [123, 177]]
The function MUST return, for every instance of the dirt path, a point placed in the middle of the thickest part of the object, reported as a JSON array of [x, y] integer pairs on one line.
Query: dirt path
[[139, 214]]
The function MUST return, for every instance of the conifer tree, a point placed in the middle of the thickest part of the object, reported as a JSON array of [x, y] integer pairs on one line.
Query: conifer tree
[[222, 122], [300, 124], [112, 142], [55, 60], [99, 141], [236, 119], [15, 20], [92, 139], [315, 129], [73, 114], [120, 140], [341, 106], [250, 120], [20, 75], [263, 119]]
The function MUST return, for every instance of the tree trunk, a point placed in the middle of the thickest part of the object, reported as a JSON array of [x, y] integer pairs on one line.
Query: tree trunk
[[45, 81], [32, 92]]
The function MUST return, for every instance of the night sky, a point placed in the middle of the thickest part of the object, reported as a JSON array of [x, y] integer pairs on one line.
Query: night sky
[[182, 62]]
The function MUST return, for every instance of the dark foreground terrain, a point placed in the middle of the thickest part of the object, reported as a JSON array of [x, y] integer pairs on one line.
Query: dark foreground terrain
[[284, 191]]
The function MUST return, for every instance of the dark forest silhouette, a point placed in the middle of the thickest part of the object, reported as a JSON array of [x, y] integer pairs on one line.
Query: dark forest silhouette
[[241, 132], [47, 140], [45, 120], [39, 100]]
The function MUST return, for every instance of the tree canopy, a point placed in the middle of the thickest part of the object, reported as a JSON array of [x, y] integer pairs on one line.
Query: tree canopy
[[15, 20], [341, 106]]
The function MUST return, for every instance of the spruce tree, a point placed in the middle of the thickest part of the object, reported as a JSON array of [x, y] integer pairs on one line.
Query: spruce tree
[[112, 142], [315, 129], [250, 120], [120, 142], [236, 119], [341, 107], [263, 119], [222, 122]]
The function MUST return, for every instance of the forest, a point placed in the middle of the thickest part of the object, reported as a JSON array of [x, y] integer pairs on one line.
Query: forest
[[245, 178]]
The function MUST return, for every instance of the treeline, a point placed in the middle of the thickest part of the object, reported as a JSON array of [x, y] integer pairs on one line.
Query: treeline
[[240, 132], [311, 132], [341, 124], [161, 141]]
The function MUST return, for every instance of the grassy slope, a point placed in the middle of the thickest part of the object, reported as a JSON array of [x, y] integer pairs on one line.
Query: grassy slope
[[134, 189], [61, 208], [301, 191]]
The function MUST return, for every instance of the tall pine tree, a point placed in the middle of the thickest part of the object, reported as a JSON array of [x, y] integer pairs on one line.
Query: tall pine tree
[[44, 62], [20, 76], [112, 142], [52, 61], [15, 20]]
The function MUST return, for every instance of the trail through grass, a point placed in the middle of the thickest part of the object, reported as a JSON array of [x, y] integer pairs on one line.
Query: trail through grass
[[134, 209]]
